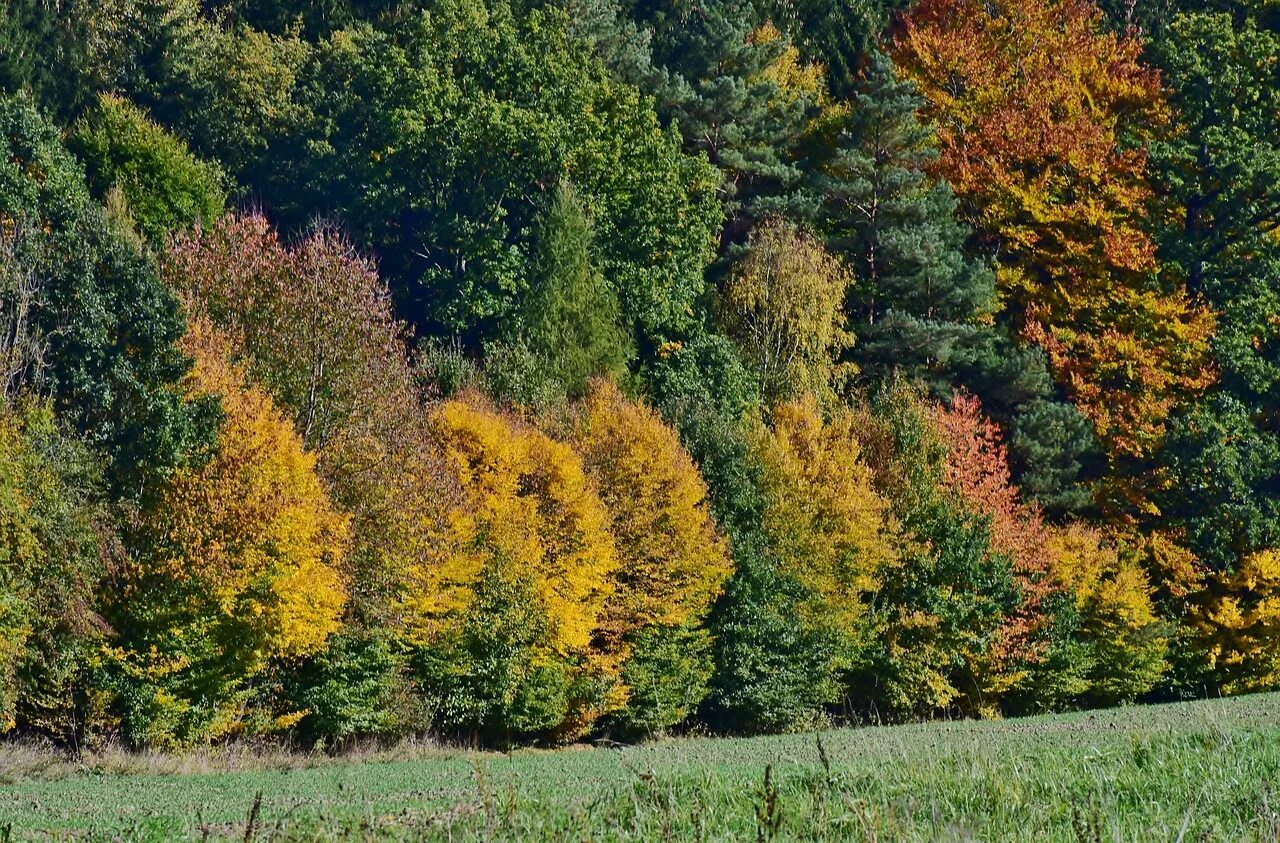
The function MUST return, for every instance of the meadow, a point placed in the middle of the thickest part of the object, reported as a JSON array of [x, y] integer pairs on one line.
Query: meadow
[[1193, 771]]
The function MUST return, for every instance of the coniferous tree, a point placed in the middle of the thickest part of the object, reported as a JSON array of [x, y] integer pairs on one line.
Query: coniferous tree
[[574, 322], [915, 293]]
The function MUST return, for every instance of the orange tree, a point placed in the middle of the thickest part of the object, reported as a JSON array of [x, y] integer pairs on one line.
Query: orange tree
[[673, 561], [1039, 113], [235, 562]]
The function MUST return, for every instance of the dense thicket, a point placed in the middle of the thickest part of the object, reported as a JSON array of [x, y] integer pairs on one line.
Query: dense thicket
[[532, 371]]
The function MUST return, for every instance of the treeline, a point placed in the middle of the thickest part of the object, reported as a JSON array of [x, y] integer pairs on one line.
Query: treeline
[[529, 372]]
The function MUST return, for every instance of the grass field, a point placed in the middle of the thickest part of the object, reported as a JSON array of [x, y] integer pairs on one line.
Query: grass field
[[1198, 771]]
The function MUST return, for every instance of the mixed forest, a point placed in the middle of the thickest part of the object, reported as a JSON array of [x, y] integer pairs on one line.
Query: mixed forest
[[542, 370]]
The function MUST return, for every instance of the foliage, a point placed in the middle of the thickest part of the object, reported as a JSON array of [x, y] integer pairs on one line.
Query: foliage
[[1035, 107], [313, 327], [508, 612], [826, 524], [165, 188], [454, 125], [50, 564], [673, 562], [356, 687], [915, 293], [784, 306], [1235, 622], [237, 562], [101, 324], [574, 320]]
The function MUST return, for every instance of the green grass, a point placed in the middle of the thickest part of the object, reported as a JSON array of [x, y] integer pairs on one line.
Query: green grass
[[1198, 771]]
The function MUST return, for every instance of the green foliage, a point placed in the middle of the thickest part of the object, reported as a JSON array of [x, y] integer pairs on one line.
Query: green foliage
[[915, 295], [494, 678], [777, 670], [166, 189], [945, 603], [718, 91], [103, 324], [667, 676], [357, 687], [50, 566], [573, 318], [433, 144]]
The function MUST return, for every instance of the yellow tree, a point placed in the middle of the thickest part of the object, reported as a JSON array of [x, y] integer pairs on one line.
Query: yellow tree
[[1118, 627], [509, 609], [673, 562], [239, 562], [784, 306], [1236, 623], [827, 525], [1035, 105]]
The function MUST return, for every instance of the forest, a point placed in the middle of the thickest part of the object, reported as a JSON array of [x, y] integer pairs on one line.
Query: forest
[[534, 371]]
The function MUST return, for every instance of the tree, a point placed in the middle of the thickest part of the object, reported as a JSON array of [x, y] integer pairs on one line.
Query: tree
[[497, 106], [313, 327], [673, 563], [52, 520], [1236, 626], [574, 321], [723, 91], [101, 328], [507, 613], [1036, 109], [826, 524], [951, 605], [783, 305], [915, 294], [164, 186], [236, 563], [1218, 195]]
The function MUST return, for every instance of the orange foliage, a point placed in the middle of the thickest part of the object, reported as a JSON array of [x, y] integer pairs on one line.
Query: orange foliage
[[314, 328], [1033, 102], [251, 534]]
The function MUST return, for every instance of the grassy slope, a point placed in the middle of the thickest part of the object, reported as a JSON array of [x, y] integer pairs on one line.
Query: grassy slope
[[1192, 772]]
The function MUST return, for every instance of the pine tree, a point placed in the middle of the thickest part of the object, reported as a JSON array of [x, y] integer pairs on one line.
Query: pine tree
[[916, 294], [726, 103]]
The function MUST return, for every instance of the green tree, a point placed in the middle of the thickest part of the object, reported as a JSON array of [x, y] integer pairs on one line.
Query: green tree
[[165, 188], [52, 516], [574, 321], [916, 294], [102, 324], [434, 144], [719, 89], [1218, 173]]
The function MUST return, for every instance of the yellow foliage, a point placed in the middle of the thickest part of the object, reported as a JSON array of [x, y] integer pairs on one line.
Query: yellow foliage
[[673, 562], [1100, 576], [826, 523], [529, 515], [795, 78], [1237, 619], [252, 532], [784, 306]]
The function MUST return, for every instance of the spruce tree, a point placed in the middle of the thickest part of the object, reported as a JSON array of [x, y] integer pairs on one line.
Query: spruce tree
[[574, 321], [720, 94]]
